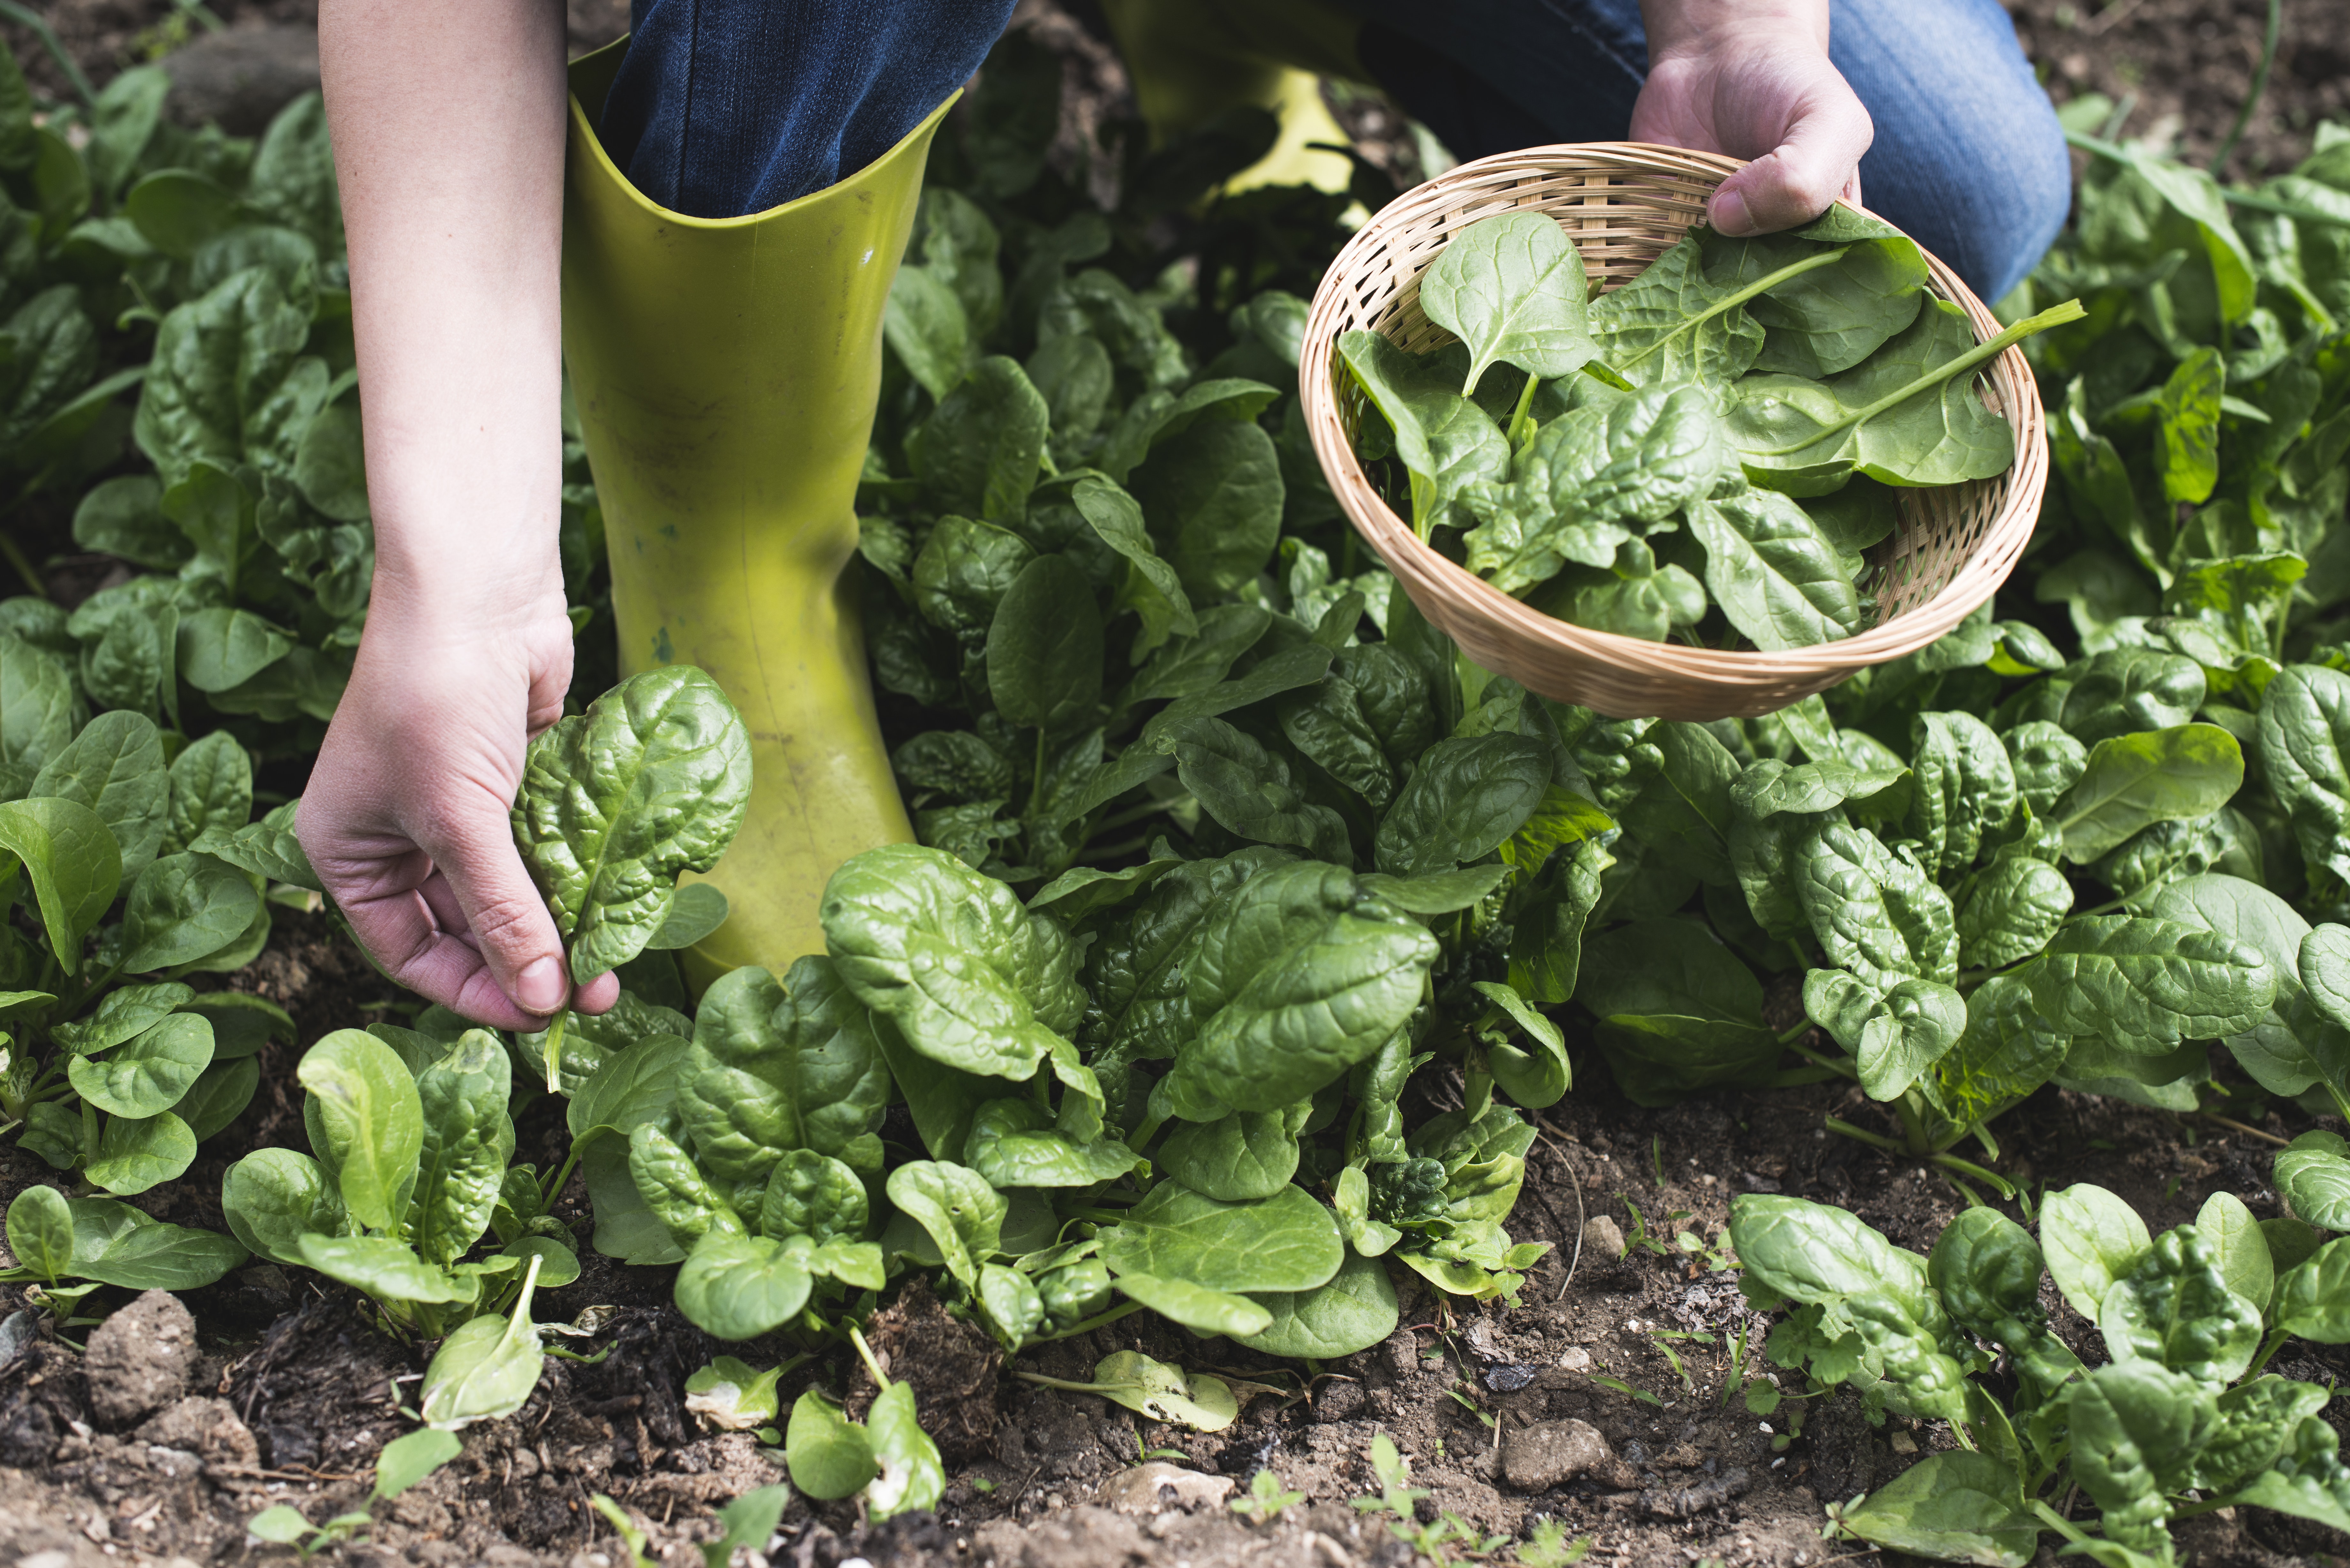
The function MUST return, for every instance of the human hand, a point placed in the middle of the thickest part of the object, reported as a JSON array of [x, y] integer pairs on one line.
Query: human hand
[[1753, 80], [405, 817]]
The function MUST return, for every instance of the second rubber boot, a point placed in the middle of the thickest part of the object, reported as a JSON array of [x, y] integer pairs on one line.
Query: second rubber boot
[[726, 373], [1192, 59]]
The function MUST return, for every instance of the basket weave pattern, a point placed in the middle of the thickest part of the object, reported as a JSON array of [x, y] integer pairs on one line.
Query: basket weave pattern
[[1624, 203]]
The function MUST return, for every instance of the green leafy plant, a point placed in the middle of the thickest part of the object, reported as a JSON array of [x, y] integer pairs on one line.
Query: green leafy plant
[[887, 1460], [750, 1523], [283, 1525], [650, 781], [411, 1138], [67, 1246], [2180, 1421], [410, 1458], [1548, 1546], [1398, 1499], [121, 1081], [1267, 1499]]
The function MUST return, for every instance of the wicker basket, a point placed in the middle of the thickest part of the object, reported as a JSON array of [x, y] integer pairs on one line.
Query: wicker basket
[[1623, 204]]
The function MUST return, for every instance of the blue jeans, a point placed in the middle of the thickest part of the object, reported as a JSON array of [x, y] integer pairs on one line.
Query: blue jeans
[[728, 107]]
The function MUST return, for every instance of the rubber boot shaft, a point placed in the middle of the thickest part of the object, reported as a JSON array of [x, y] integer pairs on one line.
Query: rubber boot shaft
[[726, 372]]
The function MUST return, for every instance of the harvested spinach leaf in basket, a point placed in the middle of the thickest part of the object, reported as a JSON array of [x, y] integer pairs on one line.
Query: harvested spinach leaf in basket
[[1705, 452]]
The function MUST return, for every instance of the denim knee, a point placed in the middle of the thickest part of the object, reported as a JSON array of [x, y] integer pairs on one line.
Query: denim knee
[[1968, 157]]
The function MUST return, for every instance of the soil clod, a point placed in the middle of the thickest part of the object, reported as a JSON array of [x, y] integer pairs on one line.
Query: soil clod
[[1544, 1455], [1146, 1488], [206, 1428], [140, 1359]]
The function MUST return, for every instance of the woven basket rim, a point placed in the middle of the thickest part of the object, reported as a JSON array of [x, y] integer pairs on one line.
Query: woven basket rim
[[1726, 671]]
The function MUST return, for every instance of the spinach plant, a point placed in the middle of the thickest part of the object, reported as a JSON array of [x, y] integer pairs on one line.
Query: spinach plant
[[2179, 1421], [67, 1246], [651, 781], [121, 1081], [410, 1140]]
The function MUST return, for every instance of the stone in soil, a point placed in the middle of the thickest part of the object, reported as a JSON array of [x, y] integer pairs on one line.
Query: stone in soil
[[206, 1428], [140, 1359]]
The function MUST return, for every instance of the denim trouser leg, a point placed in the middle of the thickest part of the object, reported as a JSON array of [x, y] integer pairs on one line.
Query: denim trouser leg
[[728, 107], [1968, 157], [723, 107]]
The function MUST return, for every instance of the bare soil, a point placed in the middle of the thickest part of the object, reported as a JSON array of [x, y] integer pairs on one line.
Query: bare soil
[[294, 1390]]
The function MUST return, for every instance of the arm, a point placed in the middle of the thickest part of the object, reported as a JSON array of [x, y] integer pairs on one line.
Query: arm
[[1751, 79], [448, 123]]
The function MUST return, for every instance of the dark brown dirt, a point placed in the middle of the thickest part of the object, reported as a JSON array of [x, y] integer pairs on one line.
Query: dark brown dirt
[[956, 1370], [2185, 67]]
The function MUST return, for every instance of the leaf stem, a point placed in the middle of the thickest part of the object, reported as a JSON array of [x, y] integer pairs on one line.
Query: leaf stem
[[554, 1050], [2259, 88], [2054, 315], [15, 556], [1043, 1382], [1124, 1309], [1947, 1161], [1842, 1068], [1761, 285], [546, 1194], [24, 17], [865, 1353], [1522, 417], [1877, 1141], [2234, 1125]]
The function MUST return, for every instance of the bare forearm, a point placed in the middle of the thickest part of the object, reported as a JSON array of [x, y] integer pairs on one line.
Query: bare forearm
[[448, 123], [1673, 26]]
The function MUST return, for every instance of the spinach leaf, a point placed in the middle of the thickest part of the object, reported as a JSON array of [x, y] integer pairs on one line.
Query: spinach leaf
[[1907, 415], [1464, 799], [1045, 647], [2305, 721], [1287, 1242], [1677, 1011], [651, 781], [1827, 320], [2139, 983], [1673, 324], [2160, 775], [970, 978], [779, 1067], [1301, 975], [1773, 572], [1511, 287], [373, 1121], [1589, 473], [115, 767], [1445, 442]]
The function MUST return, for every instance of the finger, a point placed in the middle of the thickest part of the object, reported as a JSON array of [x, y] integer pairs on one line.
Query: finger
[[1803, 176], [503, 912], [398, 929], [599, 994]]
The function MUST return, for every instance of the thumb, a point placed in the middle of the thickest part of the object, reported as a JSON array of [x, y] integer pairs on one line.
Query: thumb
[[499, 908], [1818, 160]]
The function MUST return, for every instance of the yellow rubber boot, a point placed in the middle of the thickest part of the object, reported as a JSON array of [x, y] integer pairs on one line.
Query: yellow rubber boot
[[1192, 59], [726, 372]]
